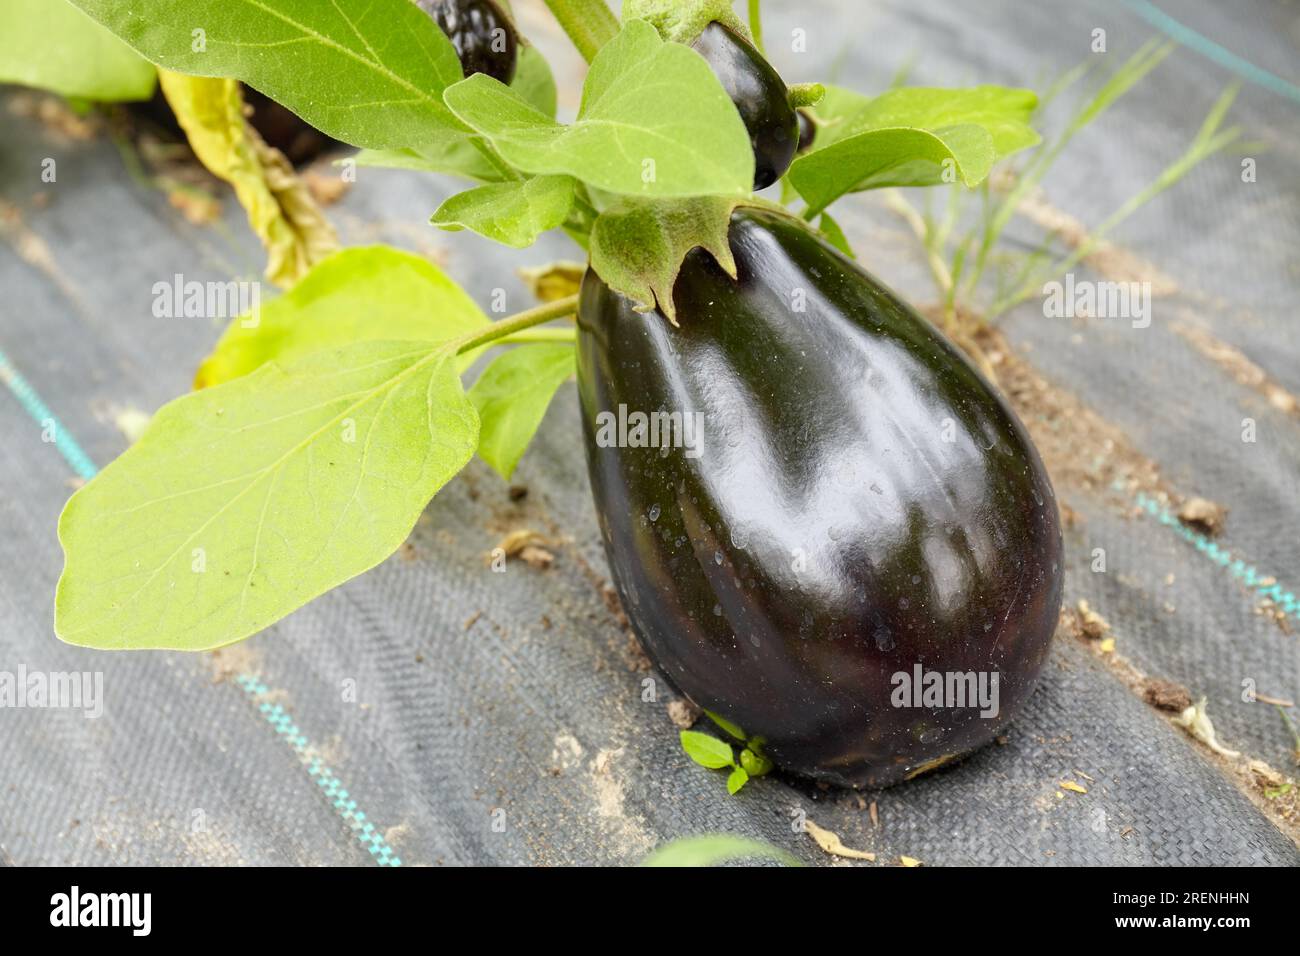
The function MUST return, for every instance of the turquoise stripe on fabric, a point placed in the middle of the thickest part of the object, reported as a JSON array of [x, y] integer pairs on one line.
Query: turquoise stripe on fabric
[[370, 838]]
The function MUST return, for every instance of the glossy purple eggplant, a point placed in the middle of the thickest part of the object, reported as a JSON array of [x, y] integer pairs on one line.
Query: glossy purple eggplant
[[807, 132], [482, 34], [842, 509], [760, 95]]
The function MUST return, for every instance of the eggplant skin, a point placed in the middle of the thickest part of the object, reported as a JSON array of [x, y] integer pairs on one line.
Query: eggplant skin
[[760, 95], [861, 502], [471, 26], [807, 132]]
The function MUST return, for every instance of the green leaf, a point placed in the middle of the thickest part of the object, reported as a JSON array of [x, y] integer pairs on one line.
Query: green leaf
[[727, 726], [915, 136], [52, 45], [454, 154], [511, 397], [365, 293], [736, 779], [534, 81], [831, 231], [1004, 112], [369, 74], [712, 850], [513, 213], [893, 157], [654, 122], [243, 502], [707, 751], [637, 247]]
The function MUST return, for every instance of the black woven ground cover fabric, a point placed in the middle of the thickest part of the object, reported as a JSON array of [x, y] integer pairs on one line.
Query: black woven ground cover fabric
[[478, 692]]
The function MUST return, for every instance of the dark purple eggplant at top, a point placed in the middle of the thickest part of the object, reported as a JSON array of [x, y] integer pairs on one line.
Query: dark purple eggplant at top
[[760, 95], [858, 504], [482, 34]]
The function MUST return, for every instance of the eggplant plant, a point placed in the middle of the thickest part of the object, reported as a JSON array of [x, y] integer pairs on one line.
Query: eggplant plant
[[819, 517]]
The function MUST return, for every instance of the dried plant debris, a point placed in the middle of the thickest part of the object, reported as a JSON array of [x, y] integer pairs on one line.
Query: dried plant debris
[[554, 280], [326, 188], [1196, 722], [1073, 787], [683, 713], [1239, 366], [1203, 515], [527, 546], [830, 843], [1166, 695], [1091, 624]]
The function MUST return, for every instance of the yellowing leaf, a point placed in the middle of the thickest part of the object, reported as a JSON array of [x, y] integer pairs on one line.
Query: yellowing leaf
[[711, 850], [280, 207], [358, 294], [243, 502]]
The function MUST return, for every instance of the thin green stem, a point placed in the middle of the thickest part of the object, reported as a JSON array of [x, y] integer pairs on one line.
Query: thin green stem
[[756, 26], [533, 336], [589, 23], [1290, 725], [518, 323]]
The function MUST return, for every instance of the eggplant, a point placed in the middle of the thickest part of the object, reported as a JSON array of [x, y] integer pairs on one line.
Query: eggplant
[[807, 132], [482, 34], [842, 510], [760, 96]]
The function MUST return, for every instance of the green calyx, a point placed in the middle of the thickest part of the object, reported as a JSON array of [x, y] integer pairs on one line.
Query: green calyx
[[806, 94], [681, 21]]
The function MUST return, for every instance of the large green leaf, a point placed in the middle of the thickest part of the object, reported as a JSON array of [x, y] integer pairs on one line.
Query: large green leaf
[[893, 157], [52, 45], [370, 74], [243, 502], [512, 395], [1003, 111], [455, 152], [913, 136], [365, 293], [534, 80], [513, 213], [654, 122]]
